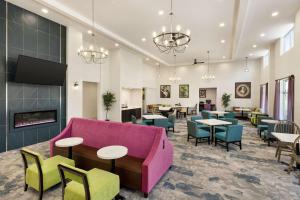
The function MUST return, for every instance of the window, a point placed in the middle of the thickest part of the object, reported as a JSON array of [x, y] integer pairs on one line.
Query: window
[[287, 41], [266, 59], [283, 107]]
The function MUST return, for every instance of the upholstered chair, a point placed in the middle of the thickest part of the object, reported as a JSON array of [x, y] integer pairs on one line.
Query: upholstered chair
[[233, 134], [262, 126], [164, 123], [41, 174], [171, 122], [94, 184], [224, 127], [196, 133]]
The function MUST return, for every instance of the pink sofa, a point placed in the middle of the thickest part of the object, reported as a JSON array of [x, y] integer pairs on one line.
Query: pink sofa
[[145, 142]]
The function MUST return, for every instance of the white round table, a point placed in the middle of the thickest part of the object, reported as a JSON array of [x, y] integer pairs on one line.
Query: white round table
[[112, 153], [270, 121], [69, 142]]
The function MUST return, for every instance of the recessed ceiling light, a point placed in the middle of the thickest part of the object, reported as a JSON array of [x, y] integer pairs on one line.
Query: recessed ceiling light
[[161, 12], [90, 32], [275, 13], [147, 59], [44, 10], [250, 54], [262, 35], [222, 24], [223, 57], [144, 39], [254, 46], [116, 44], [223, 41]]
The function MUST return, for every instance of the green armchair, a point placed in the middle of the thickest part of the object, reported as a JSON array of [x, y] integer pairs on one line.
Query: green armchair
[[95, 184], [199, 125], [41, 174], [195, 132], [229, 115], [224, 128], [207, 115], [134, 121], [164, 123], [233, 134]]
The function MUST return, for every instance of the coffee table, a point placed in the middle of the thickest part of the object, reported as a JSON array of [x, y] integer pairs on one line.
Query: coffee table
[[69, 143], [112, 153]]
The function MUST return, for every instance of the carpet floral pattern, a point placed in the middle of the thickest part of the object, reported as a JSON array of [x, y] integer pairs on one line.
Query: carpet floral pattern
[[203, 172]]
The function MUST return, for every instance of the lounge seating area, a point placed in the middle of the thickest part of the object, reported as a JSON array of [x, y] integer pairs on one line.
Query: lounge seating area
[[114, 100]]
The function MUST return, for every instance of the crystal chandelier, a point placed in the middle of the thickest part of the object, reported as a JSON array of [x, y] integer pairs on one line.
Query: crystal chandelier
[[172, 41], [93, 54], [208, 76], [246, 69], [175, 78]]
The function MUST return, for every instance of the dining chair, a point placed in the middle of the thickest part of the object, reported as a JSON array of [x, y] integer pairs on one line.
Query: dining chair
[[171, 122], [197, 133], [41, 174], [262, 126], [233, 135], [164, 123], [287, 127], [183, 112], [294, 156], [79, 184]]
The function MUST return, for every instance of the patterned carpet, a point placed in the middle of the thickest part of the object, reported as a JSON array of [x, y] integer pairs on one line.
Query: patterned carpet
[[202, 172]]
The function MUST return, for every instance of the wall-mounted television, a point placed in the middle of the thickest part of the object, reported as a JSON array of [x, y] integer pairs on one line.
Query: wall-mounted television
[[38, 71]]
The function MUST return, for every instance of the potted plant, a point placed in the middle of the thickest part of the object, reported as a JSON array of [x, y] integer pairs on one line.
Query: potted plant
[[226, 100], [108, 100]]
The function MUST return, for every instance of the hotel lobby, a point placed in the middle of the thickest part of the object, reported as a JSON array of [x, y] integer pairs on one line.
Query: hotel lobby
[[160, 99]]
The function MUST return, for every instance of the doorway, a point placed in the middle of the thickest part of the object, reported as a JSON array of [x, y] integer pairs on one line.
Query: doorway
[[89, 100]]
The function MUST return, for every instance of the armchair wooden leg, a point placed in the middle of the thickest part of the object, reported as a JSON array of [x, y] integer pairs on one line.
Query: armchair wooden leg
[[196, 142], [146, 195], [240, 145], [279, 154], [227, 146], [277, 149], [188, 138], [40, 194], [25, 187], [208, 140], [215, 141]]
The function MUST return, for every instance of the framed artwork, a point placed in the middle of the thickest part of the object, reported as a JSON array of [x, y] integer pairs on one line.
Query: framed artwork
[[243, 90], [184, 91], [202, 93], [165, 91]]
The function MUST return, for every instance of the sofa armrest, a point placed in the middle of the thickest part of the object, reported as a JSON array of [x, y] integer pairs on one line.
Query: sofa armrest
[[64, 134], [158, 161]]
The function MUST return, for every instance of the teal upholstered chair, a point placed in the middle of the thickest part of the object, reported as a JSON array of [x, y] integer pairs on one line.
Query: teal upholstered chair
[[196, 133], [134, 121], [199, 125], [267, 136], [233, 134], [262, 126], [164, 123], [224, 128], [229, 115], [171, 122], [41, 174], [207, 115], [94, 184]]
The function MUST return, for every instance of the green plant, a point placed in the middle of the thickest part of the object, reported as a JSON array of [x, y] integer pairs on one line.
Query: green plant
[[108, 100], [226, 100]]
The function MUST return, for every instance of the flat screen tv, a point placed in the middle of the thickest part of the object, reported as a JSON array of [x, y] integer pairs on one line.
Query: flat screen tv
[[38, 71]]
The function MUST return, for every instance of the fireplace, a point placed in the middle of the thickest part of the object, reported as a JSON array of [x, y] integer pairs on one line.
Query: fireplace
[[25, 119]]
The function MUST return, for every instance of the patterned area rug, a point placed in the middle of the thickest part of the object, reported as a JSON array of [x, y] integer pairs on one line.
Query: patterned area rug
[[202, 172]]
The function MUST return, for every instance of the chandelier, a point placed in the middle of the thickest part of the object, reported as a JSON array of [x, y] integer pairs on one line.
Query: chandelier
[[172, 41], [246, 69], [93, 54], [208, 75], [175, 78]]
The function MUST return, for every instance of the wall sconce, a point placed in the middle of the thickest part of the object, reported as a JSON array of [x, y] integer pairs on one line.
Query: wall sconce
[[76, 85]]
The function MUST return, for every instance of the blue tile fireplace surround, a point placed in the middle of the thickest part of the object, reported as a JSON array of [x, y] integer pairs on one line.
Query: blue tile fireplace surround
[[26, 33]]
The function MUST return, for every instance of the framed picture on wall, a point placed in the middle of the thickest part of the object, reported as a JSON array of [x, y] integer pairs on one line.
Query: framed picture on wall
[[243, 90], [165, 91], [184, 91], [202, 93]]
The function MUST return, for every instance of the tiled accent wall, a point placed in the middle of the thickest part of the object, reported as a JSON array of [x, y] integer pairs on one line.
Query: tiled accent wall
[[32, 35]]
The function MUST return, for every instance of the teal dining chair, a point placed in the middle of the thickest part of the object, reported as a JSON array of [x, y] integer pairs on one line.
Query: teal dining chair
[[232, 135], [197, 133]]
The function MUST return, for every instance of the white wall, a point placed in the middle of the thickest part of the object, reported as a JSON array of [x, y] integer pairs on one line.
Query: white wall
[[89, 100], [226, 75], [282, 66]]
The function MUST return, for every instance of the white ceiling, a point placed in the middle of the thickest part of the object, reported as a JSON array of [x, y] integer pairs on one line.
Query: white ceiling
[[127, 21]]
